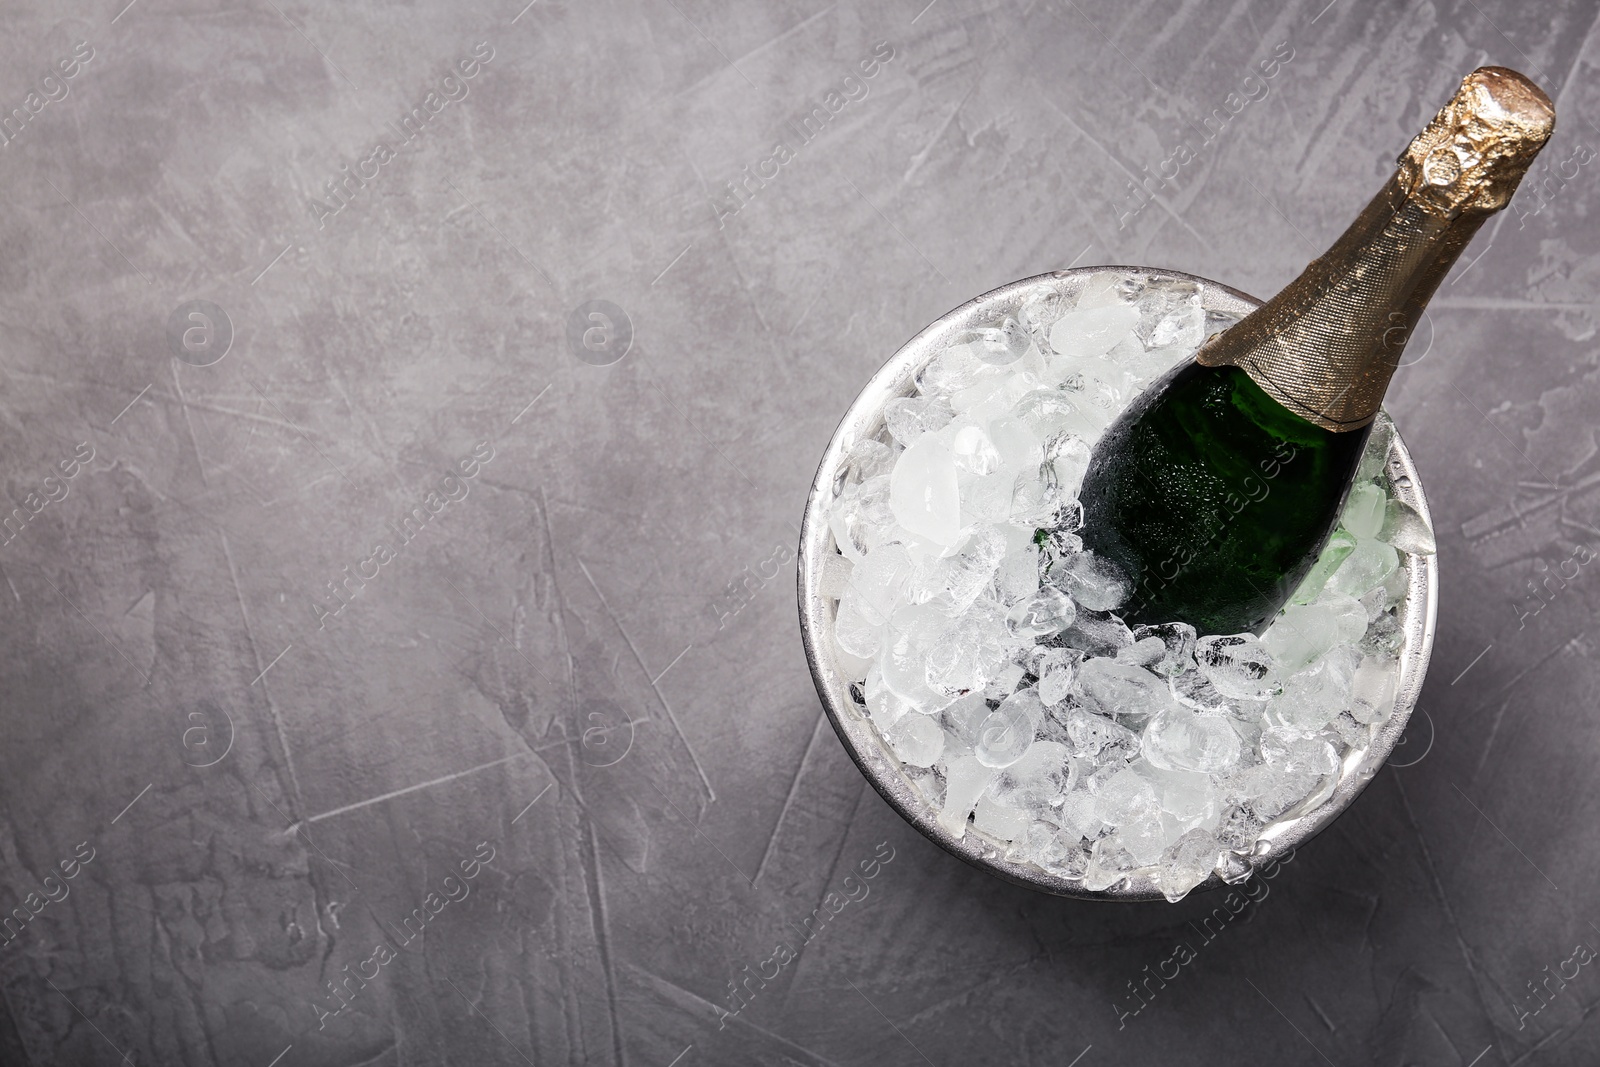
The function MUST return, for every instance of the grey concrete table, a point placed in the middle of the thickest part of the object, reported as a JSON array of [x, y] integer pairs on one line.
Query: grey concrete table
[[407, 412]]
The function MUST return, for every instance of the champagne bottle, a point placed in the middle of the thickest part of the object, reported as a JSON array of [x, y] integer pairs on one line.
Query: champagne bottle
[[1219, 486]]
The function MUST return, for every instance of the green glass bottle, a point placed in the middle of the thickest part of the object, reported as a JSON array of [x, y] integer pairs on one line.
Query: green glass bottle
[[1218, 487]]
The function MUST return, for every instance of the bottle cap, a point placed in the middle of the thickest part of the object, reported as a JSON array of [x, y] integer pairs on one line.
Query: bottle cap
[[1474, 153]]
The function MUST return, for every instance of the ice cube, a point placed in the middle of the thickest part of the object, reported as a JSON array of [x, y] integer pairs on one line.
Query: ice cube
[[912, 631], [882, 581], [1001, 345], [1144, 652], [1102, 396], [1048, 611], [964, 781], [1074, 864], [1016, 445], [1106, 288], [1067, 456], [957, 665], [1270, 790], [1100, 738], [1393, 589], [923, 492], [1351, 616], [1000, 821], [1107, 377], [1177, 642], [1004, 682], [1142, 836], [1338, 548], [1177, 739], [1007, 732], [1088, 333], [1239, 665], [984, 626], [1369, 564], [993, 395], [1018, 575], [1373, 690], [1376, 454], [1145, 367], [852, 668], [909, 417], [916, 740], [1363, 510], [1188, 863], [833, 575], [1347, 734], [1239, 829], [1079, 815], [1305, 632], [974, 452], [1181, 327], [1056, 681], [1125, 796], [1038, 499], [964, 717], [987, 498], [1384, 637], [883, 705], [1050, 848], [1045, 412], [860, 516], [1313, 697], [1286, 750], [1034, 842], [1043, 310], [929, 784], [1092, 408], [1192, 797], [1056, 544], [1039, 778], [1194, 690], [869, 458], [1284, 793], [1109, 863], [1093, 582], [955, 582], [1054, 728], [1406, 529], [1098, 635], [1120, 691], [854, 632], [953, 369]]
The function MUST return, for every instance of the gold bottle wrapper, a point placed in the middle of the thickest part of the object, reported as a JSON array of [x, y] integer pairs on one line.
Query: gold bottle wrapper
[[1476, 150], [1326, 346]]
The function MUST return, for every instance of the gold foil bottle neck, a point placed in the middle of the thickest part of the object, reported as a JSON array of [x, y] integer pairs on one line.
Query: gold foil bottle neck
[[1326, 346], [1476, 150]]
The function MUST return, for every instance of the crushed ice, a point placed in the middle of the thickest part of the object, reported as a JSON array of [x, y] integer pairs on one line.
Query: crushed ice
[[985, 641]]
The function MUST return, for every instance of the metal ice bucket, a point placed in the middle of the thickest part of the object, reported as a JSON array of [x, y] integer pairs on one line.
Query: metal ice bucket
[[865, 419]]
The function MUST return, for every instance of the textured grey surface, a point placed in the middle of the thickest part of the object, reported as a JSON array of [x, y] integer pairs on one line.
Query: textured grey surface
[[603, 625]]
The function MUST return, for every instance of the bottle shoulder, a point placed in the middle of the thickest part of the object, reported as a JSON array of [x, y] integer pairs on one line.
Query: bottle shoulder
[[1224, 405]]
